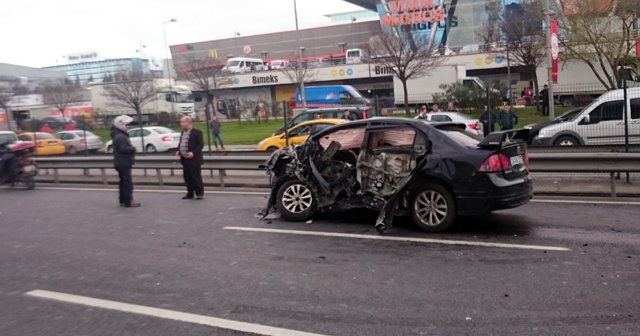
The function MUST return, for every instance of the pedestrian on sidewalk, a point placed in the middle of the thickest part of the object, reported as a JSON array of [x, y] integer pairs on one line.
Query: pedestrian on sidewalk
[[123, 159], [507, 118], [215, 129], [190, 153]]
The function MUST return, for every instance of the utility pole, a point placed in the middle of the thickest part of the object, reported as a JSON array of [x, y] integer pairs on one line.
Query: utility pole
[[168, 68], [299, 75], [551, 100]]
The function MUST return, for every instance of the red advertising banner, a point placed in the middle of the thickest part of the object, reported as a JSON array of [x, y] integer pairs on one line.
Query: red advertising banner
[[555, 50], [638, 47]]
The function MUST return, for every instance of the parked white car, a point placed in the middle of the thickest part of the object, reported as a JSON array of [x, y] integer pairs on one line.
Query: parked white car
[[8, 137], [473, 125], [279, 64], [156, 139], [75, 141], [601, 123]]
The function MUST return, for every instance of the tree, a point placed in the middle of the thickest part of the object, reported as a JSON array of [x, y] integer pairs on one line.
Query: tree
[[133, 90], [299, 73], [61, 95], [406, 56], [204, 76], [602, 38], [519, 30]]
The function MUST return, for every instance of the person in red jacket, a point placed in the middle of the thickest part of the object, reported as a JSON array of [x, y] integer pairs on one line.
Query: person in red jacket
[[46, 129]]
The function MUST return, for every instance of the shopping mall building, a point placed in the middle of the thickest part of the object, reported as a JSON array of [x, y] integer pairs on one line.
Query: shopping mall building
[[458, 30]]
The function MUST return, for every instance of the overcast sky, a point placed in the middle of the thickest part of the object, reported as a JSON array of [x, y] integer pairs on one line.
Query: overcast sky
[[40, 32]]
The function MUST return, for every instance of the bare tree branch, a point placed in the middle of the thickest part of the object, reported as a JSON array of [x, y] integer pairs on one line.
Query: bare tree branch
[[602, 38], [405, 55], [132, 90], [61, 95], [203, 74]]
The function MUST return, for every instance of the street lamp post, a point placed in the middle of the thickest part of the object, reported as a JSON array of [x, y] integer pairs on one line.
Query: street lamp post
[[299, 74], [166, 64], [551, 100], [353, 40]]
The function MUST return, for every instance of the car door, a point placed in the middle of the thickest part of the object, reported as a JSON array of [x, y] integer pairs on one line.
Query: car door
[[605, 125], [634, 122], [136, 140]]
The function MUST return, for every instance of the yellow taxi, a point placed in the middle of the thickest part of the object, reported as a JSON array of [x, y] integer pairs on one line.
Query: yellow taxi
[[297, 134], [46, 144]]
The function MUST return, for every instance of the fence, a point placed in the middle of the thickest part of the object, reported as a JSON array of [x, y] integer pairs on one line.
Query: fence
[[576, 163]]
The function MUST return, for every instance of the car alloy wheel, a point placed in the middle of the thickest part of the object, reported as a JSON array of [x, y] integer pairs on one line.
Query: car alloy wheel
[[297, 198], [431, 207], [151, 149]]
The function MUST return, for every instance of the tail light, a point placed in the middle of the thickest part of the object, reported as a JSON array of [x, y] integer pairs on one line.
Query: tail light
[[473, 126], [166, 139], [364, 115], [495, 163], [83, 141], [525, 157]]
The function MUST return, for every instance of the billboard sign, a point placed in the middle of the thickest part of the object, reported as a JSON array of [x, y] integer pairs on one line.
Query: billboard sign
[[425, 18], [555, 50], [87, 56]]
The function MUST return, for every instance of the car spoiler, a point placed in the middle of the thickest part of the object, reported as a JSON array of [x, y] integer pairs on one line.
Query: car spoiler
[[499, 139]]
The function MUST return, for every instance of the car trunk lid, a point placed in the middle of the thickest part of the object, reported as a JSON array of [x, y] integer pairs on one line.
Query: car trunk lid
[[511, 149]]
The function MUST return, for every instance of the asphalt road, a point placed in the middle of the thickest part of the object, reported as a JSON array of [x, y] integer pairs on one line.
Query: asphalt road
[[570, 269]]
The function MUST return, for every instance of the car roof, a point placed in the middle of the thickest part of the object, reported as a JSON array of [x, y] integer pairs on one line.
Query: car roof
[[321, 121]]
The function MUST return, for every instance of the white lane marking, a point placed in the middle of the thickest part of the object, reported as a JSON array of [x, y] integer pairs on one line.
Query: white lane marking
[[402, 239], [584, 202], [167, 314], [159, 191]]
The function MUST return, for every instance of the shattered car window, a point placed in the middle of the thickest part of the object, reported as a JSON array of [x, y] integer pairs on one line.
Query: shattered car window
[[348, 138], [393, 138]]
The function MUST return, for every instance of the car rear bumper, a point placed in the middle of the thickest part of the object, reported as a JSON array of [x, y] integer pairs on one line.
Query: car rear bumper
[[495, 198]]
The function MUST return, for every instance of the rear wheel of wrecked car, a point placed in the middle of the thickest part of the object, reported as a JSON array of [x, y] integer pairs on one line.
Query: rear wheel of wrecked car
[[296, 201], [432, 207]]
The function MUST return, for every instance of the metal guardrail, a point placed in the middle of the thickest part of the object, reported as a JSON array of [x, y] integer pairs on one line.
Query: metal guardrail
[[611, 163]]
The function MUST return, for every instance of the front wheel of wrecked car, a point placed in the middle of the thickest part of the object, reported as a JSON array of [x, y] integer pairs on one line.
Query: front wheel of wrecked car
[[432, 208], [296, 201]]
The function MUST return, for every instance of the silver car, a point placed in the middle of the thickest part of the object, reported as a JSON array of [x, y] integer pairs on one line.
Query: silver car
[[75, 141]]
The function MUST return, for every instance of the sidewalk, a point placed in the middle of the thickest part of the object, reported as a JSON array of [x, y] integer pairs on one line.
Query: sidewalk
[[543, 185]]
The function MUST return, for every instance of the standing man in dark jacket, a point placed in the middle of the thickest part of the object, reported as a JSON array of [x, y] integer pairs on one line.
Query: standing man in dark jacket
[[507, 118], [123, 159], [488, 120], [190, 153], [544, 100]]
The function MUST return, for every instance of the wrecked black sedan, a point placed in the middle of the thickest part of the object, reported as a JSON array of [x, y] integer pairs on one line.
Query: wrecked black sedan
[[430, 172]]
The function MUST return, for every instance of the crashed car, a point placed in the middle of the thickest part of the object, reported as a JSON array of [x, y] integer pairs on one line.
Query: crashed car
[[430, 172]]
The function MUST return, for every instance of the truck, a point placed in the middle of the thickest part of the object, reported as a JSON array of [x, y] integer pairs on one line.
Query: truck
[[171, 97]]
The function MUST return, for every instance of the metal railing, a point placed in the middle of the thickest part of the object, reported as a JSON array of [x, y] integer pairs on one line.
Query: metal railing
[[578, 163]]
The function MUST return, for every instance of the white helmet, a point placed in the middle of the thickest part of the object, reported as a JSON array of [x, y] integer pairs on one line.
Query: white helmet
[[122, 121]]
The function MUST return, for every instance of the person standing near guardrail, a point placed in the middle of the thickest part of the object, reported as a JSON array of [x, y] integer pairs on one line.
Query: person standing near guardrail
[[123, 159], [190, 153], [488, 120], [215, 129], [507, 118]]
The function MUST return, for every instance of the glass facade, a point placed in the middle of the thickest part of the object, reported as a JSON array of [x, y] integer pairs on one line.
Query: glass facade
[[462, 24], [96, 71]]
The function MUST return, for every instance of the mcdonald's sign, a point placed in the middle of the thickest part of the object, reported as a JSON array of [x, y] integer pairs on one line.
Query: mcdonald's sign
[[213, 53]]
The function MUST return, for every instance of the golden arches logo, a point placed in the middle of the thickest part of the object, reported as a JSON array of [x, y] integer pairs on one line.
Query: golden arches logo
[[213, 53]]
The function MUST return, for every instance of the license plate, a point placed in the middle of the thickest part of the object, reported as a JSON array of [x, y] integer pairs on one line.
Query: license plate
[[52, 143], [516, 160]]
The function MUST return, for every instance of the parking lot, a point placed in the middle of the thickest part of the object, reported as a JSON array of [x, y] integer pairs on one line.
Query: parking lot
[[73, 263]]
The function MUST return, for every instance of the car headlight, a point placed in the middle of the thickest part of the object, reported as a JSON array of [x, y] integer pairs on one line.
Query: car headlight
[[261, 142]]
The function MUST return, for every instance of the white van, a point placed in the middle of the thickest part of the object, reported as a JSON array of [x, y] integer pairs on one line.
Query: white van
[[243, 64], [279, 64], [601, 123], [354, 56]]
